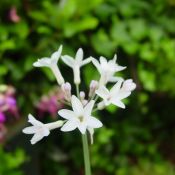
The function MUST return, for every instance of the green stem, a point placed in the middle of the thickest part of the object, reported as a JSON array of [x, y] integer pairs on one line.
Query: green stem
[[96, 98], [78, 91], [86, 154]]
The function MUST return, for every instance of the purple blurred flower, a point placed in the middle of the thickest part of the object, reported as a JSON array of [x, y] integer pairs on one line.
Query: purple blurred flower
[[2, 117], [8, 104]]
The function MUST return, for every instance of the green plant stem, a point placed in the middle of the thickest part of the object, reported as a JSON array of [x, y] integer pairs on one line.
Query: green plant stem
[[78, 91], [86, 154]]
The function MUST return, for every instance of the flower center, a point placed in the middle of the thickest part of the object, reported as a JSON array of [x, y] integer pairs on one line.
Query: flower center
[[81, 118], [109, 98]]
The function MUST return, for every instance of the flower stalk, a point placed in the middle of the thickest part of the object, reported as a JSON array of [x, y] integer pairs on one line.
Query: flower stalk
[[86, 154]]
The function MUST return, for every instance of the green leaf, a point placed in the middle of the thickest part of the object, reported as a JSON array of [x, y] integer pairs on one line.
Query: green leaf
[[148, 79], [102, 43], [87, 23]]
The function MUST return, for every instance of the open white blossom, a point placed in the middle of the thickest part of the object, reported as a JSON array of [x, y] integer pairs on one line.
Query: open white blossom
[[107, 69], [39, 129], [76, 63], [80, 117], [52, 64], [116, 93]]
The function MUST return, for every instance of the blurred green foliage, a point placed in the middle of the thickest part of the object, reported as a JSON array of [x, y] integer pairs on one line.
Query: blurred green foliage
[[11, 161], [142, 33]]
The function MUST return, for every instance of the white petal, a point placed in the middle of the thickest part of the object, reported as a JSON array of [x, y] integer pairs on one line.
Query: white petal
[[115, 58], [103, 61], [79, 55], [114, 90], [67, 114], [118, 103], [82, 127], [123, 94], [42, 62], [56, 55], [36, 138], [37, 64], [96, 64], [76, 105], [68, 60], [94, 122], [102, 92], [33, 121], [114, 79], [86, 61], [119, 68], [88, 108], [69, 125], [45, 131], [30, 130]]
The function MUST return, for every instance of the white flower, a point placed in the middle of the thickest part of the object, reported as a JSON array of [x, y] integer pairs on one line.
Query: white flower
[[116, 94], [107, 69], [39, 129], [52, 64], [76, 63], [80, 117]]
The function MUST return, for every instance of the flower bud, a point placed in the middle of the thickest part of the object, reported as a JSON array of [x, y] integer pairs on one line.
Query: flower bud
[[129, 85], [101, 105], [93, 87], [82, 95], [66, 88]]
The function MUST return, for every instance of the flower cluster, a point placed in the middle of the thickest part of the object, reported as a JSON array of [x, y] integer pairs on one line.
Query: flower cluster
[[82, 105]]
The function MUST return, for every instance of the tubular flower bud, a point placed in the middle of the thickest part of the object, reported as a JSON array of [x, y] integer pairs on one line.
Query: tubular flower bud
[[93, 87], [66, 88]]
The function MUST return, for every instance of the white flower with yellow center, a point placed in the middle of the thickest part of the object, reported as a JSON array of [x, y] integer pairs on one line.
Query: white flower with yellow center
[[80, 117], [76, 63], [39, 129], [52, 64], [107, 69]]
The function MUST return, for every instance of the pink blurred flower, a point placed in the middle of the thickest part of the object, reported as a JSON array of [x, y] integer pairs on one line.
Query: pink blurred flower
[[13, 16], [50, 103], [2, 117]]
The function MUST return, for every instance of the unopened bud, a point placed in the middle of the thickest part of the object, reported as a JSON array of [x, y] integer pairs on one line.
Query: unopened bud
[[82, 95], [101, 105], [93, 87], [66, 88], [129, 85]]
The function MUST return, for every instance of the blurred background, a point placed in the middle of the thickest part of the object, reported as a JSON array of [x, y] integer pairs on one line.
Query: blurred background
[[139, 140]]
